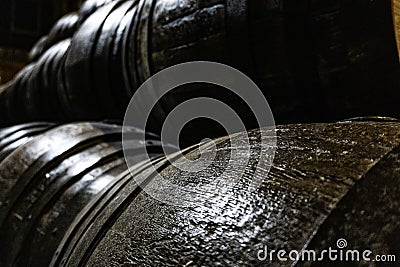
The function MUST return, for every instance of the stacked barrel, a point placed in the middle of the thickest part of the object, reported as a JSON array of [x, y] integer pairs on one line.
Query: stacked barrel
[[48, 175], [313, 60], [68, 198]]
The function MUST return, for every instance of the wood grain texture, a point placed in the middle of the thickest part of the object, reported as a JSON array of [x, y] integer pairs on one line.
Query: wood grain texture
[[317, 169], [48, 175], [70, 202], [314, 60]]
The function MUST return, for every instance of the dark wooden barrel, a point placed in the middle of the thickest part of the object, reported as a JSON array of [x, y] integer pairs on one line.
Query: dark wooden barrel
[[12, 97], [89, 7], [13, 137], [327, 182], [38, 48], [313, 60], [43, 85], [89, 63], [63, 29], [48, 174], [34, 94]]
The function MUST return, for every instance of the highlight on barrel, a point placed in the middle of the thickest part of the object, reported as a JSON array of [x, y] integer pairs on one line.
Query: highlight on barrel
[[48, 175]]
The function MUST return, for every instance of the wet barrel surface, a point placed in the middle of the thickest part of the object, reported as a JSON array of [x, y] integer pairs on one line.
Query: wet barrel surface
[[67, 198], [48, 174], [320, 172]]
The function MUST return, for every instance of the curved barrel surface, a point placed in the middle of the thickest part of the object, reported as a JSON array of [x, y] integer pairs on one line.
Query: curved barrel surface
[[48, 174], [75, 203]]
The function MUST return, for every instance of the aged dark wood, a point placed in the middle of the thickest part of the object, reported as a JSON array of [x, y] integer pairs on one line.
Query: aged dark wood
[[48, 180], [368, 216], [103, 63], [79, 73], [89, 7], [63, 29], [315, 174], [314, 60], [35, 88], [68, 199], [13, 137], [34, 96], [51, 88], [19, 98], [38, 48]]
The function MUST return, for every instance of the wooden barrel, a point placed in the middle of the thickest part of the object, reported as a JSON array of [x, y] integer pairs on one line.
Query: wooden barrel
[[34, 94], [64, 28], [43, 84], [13, 137], [38, 48], [313, 60], [12, 96], [89, 62], [48, 179], [88, 7], [327, 182]]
